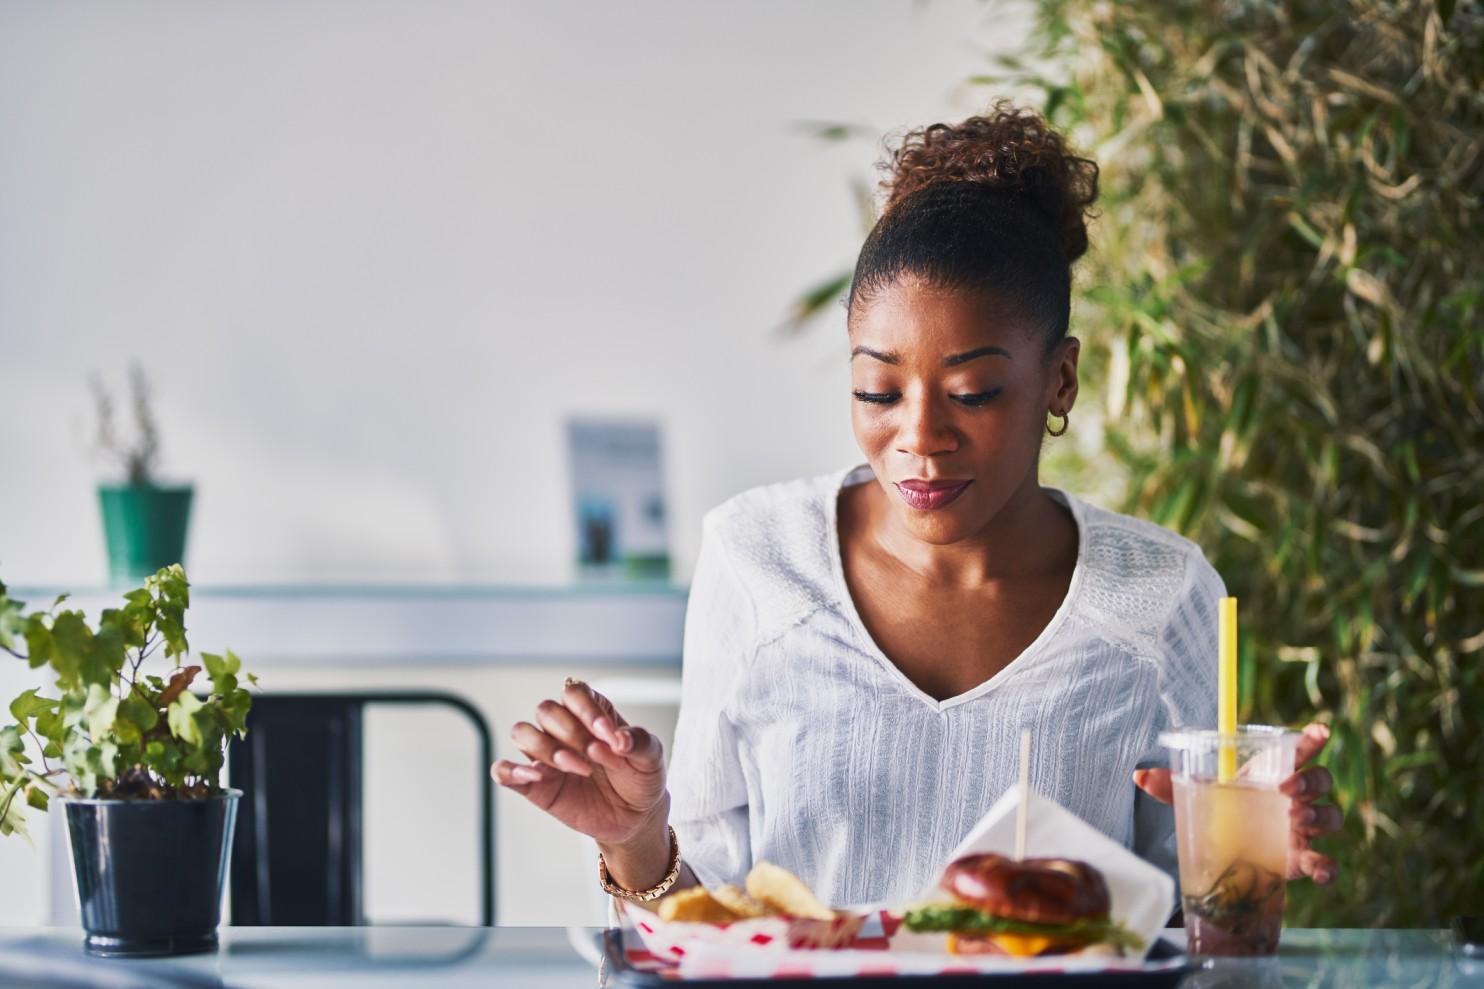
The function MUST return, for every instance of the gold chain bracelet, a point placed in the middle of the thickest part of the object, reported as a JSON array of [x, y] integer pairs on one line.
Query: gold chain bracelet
[[654, 892]]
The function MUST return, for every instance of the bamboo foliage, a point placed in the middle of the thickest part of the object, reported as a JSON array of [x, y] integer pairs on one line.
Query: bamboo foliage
[[1287, 296]]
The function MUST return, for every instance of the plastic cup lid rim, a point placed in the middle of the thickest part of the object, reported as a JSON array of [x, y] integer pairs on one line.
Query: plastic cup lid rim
[[1245, 734]]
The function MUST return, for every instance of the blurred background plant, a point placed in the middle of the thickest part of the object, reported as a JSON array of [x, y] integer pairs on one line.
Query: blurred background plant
[[1283, 313], [136, 456]]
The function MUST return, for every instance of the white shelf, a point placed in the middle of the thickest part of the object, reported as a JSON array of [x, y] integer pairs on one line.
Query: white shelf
[[618, 623]]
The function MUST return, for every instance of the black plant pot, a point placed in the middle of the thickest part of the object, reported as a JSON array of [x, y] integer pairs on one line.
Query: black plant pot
[[150, 872]]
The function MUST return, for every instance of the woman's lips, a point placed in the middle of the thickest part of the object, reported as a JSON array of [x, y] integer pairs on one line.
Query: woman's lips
[[930, 495]]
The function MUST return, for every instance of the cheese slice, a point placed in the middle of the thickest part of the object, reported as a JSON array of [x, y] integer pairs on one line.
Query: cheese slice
[[1022, 945]]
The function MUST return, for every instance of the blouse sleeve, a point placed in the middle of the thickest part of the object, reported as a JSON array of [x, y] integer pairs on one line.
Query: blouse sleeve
[[708, 789], [1187, 685]]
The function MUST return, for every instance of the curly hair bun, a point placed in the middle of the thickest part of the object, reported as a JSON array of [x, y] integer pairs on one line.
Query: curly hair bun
[[1010, 150]]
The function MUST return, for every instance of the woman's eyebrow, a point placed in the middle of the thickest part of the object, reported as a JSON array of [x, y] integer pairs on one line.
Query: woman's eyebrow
[[868, 352], [977, 352], [950, 361]]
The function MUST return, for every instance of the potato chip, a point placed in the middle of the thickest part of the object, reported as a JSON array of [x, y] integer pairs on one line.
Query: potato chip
[[696, 906], [785, 892], [735, 899]]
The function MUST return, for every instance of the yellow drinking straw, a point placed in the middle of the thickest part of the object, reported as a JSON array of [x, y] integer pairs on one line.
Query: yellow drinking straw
[[1226, 688]]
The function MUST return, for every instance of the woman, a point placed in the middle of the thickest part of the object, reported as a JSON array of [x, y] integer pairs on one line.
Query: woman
[[863, 649]]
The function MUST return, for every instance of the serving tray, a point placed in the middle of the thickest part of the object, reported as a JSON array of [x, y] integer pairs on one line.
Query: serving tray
[[629, 964]]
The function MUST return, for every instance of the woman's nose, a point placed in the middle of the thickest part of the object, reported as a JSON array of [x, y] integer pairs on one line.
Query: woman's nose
[[926, 429]]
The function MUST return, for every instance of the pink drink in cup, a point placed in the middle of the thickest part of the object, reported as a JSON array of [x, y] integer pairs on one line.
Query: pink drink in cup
[[1232, 835]]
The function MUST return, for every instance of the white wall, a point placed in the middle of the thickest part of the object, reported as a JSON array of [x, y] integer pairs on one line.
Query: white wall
[[372, 253]]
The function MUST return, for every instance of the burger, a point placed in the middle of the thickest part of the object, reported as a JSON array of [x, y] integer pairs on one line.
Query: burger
[[1022, 908]]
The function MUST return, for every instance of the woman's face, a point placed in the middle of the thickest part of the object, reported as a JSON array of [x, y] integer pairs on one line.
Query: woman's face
[[951, 394]]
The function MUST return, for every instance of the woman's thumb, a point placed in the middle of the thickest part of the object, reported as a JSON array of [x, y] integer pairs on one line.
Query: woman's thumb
[[1156, 783]]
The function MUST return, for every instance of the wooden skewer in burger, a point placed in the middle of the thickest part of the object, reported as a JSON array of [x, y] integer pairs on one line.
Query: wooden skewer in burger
[[1023, 907]]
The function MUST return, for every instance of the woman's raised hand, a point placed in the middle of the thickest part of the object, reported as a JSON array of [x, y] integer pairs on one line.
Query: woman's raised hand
[[590, 769]]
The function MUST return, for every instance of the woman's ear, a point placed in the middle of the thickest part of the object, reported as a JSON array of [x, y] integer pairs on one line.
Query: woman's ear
[[1062, 384]]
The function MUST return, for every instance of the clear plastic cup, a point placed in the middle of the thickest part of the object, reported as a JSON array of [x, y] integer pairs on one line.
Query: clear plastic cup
[[1232, 836]]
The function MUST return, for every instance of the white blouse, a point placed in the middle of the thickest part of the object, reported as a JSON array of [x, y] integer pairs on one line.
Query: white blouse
[[801, 743]]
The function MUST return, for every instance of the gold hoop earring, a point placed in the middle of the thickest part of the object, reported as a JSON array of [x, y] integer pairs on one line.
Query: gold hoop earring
[[1066, 419]]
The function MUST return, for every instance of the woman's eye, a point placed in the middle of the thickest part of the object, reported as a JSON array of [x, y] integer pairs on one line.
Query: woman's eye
[[877, 397], [977, 398]]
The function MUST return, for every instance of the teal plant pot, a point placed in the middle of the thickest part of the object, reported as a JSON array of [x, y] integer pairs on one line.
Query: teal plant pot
[[145, 527]]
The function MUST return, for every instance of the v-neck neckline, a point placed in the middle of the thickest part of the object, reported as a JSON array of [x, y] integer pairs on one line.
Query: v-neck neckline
[[862, 473]]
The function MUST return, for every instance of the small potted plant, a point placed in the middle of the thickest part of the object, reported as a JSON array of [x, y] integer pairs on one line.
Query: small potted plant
[[136, 760], [144, 521]]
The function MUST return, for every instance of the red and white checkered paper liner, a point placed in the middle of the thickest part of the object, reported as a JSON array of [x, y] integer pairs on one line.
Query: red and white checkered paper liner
[[673, 941], [873, 952]]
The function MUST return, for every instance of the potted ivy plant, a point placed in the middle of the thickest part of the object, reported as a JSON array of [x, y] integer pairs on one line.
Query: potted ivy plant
[[134, 757], [144, 520]]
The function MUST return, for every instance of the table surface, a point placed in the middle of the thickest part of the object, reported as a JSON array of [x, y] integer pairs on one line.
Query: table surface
[[545, 958]]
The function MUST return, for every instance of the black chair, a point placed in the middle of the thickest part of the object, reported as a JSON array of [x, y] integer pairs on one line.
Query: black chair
[[296, 855]]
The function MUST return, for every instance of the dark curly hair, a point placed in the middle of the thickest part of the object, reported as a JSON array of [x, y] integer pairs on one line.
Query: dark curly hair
[[997, 204]]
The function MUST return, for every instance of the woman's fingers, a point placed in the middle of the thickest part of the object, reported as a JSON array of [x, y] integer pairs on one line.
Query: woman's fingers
[[1316, 865], [1156, 783], [1312, 820], [640, 748], [538, 746], [594, 710], [1311, 742], [517, 775], [601, 753], [1309, 783], [561, 724]]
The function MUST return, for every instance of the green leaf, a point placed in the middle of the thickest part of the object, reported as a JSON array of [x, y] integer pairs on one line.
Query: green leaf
[[49, 724], [139, 712], [173, 598], [180, 718], [39, 644], [72, 644], [74, 709], [100, 711], [12, 811], [949, 917], [106, 659], [126, 731], [29, 705], [77, 762], [104, 757], [817, 299], [195, 762], [236, 706], [37, 797], [129, 627], [12, 753], [12, 621]]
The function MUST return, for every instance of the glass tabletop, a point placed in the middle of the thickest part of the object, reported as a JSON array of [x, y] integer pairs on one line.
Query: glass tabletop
[[363, 957], [546, 958]]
